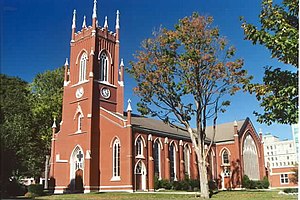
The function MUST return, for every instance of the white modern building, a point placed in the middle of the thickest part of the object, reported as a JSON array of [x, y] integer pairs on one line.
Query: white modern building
[[280, 160]]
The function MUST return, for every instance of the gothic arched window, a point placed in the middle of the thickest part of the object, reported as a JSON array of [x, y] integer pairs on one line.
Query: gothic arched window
[[225, 157], [172, 157], [103, 67], [82, 68], [139, 147], [187, 170], [156, 154], [116, 158]]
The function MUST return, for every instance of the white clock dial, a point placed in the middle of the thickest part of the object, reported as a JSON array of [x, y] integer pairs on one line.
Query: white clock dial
[[105, 92], [79, 92]]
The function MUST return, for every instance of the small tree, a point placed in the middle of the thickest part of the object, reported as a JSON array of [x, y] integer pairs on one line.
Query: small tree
[[294, 178], [183, 74]]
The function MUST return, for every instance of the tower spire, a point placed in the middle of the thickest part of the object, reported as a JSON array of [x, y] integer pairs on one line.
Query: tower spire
[[94, 16], [84, 22], [118, 20], [95, 10], [74, 20], [73, 26], [105, 23]]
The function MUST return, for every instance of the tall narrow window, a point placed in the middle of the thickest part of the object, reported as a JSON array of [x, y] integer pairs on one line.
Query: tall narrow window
[[225, 158], [172, 158], [82, 68], [139, 147], [116, 158], [187, 161], [79, 122], [156, 154], [103, 67]]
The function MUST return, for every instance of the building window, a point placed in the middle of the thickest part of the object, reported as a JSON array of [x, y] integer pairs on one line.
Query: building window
[[156, 154], [82, 68], [138, 169], [139, 147], [79, 122], [103, 67], [187, 161], [225, 157], [172, 157], [116, 158], [226, 172], [284, 179]]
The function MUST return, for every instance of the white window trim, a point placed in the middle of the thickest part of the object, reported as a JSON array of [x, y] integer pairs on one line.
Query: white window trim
[[82, 68], [285, 178], [141, 154], [187, 152], [117, 176], [222, 155], [159, 158], [105, 68]]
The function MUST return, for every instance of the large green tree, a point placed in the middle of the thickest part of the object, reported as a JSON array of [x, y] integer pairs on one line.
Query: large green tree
[[46, 104], [15, 124], [183, 74], [279, 33]]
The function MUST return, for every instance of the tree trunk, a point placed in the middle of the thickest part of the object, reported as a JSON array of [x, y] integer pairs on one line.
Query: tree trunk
[[203, 180]]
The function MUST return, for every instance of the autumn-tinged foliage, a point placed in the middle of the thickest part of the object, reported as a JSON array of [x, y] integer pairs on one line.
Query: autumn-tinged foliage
[[279, 33], [183, 74]]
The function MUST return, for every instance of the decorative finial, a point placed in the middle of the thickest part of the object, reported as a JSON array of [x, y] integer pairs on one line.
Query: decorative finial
[[235, 123], [105, 23], [122, 63], [66, 63], [260, 131], [129, 109], [74, 19], [95, 9], [54, 123], [118, 20], [84, 22]]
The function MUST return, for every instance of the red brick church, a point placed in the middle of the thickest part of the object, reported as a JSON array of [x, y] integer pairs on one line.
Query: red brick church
[[99, 147]]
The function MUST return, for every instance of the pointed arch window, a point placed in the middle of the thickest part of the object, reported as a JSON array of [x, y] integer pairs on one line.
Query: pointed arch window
[[187, 170], [103, 67], [139, 147], [156, 155], [225, 157], [172, 157], [82, 68], [116, 159]]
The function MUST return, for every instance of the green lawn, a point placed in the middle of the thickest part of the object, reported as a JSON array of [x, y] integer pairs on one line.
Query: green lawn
[[228, 195]]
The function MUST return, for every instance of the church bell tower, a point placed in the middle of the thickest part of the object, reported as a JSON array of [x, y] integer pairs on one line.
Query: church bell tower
[[93, 83]]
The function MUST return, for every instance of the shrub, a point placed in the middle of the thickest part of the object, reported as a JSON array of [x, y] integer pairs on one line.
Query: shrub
[[265, 183], [156, 183], [195, 184], [36, 189], [245, 182], [164, 183], [291, 190], [212, 185]]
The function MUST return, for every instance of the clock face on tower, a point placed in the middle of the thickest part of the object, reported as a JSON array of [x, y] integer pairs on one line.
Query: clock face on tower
[[79, 92], [105, 92]]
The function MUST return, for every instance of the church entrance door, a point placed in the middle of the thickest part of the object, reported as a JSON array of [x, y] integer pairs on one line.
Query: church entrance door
[[78, 181]]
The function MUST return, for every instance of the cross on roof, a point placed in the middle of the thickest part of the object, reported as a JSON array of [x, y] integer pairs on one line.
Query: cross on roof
[[79, 156]]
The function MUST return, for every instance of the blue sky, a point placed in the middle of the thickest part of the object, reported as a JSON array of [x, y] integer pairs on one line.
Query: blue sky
[[35, 36]]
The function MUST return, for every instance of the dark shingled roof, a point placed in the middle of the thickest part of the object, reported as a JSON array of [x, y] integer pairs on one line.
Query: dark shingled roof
[[155, 126], [224, 132]]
